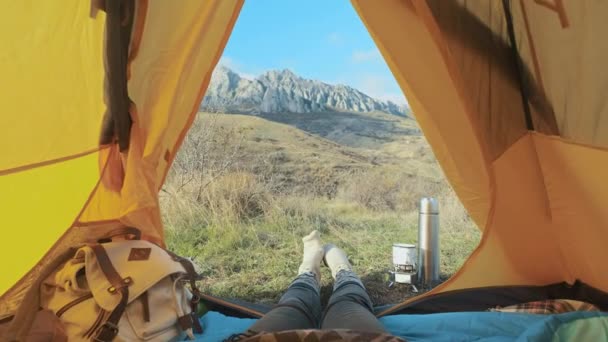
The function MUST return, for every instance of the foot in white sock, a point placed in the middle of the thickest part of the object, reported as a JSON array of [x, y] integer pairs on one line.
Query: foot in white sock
[[313, 255], [336, 259]]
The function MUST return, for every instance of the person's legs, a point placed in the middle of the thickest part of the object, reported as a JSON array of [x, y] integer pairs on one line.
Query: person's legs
[[300, 306], [349, 306]]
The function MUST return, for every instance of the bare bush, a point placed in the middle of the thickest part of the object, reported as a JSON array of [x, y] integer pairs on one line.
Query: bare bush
[[453, 214], [381, 190], [210, 150], [237, 196], [373, 190]]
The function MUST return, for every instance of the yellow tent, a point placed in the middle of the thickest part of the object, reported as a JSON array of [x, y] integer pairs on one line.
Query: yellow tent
[[97, 98]]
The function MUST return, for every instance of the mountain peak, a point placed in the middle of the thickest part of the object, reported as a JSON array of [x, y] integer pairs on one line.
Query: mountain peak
[[279, 75], [284, 72], [221, 70], [279, 91]]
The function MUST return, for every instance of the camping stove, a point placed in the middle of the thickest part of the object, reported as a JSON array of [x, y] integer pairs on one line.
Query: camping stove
[[405, 258]]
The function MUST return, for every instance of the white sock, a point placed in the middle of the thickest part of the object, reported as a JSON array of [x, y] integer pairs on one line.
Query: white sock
[[336, 259], [313, 255]]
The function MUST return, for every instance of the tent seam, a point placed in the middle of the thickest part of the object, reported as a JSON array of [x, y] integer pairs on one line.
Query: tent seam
[[202, 91], [205, 83], [562, 255], [137, 34], [50, 162]]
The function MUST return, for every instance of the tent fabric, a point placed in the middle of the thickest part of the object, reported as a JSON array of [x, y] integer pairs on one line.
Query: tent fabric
[[485, 298], [50, 54], [567, 44], [537, 195], [426, 77], [59, 187], [534, 184], [53, 77]]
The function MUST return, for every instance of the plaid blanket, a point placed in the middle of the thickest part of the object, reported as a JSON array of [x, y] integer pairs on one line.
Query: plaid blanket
[[544, 307], [314, 336]]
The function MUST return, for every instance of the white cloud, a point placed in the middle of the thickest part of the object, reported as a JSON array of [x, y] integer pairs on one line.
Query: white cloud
[[397, 98], [228, 62], [380, 87], [335, 39], [237, 67], [372, 55]]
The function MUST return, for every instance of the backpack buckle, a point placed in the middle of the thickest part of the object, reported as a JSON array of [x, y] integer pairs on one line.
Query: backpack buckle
[[106, 332]]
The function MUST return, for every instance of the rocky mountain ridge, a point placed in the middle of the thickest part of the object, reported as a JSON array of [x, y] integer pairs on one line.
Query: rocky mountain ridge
[[283, 91]]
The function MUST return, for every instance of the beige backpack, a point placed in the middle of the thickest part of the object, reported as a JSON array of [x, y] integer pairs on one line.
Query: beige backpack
[[127, 290]]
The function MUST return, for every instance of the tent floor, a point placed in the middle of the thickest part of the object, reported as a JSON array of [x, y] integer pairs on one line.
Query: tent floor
[[476, 299]]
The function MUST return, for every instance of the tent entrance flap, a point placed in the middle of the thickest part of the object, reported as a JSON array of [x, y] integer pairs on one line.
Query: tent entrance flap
[[56, 53]]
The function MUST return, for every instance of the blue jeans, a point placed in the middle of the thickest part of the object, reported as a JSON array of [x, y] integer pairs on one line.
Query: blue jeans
[[349, 307]]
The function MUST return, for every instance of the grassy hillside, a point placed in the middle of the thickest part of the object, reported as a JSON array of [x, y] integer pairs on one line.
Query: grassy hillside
[[244, 190]]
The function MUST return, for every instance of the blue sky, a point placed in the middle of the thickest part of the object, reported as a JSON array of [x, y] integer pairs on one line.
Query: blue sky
[[318, 39]]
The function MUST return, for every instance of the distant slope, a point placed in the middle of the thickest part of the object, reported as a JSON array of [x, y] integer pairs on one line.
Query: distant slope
[[301, 161], [285, 92], [361, 130]]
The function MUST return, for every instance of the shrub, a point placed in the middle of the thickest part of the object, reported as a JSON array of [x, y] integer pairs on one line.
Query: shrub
[[381, 190], [237, 196]]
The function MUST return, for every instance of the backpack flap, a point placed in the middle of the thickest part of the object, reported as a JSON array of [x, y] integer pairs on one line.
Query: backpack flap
[[167, 302], [141, 264], [70, 277]]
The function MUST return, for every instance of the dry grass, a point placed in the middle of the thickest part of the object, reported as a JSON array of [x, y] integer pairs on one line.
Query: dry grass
[[383, 189], [243, 192]]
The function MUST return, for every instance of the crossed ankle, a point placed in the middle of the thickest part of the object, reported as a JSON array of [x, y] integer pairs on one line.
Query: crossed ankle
[[346, 272], [344, 277], [309, 279]]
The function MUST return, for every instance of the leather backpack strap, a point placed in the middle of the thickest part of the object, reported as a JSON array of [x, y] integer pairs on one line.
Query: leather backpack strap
[[192, 277], [119, 285], [123, 231]]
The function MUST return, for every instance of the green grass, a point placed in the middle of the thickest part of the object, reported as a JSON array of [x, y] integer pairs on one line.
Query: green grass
[[244, 191]]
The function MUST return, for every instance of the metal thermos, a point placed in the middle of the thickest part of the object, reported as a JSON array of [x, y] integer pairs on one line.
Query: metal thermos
[[428, 242]]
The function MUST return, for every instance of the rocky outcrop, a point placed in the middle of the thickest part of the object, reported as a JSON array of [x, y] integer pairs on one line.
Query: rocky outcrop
[[283, 91]]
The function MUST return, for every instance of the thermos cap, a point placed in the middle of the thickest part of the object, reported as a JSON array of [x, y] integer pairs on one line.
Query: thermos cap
[[429, 205]]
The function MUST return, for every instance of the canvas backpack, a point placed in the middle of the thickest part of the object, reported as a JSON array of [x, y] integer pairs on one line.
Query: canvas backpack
[[125, 290]]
